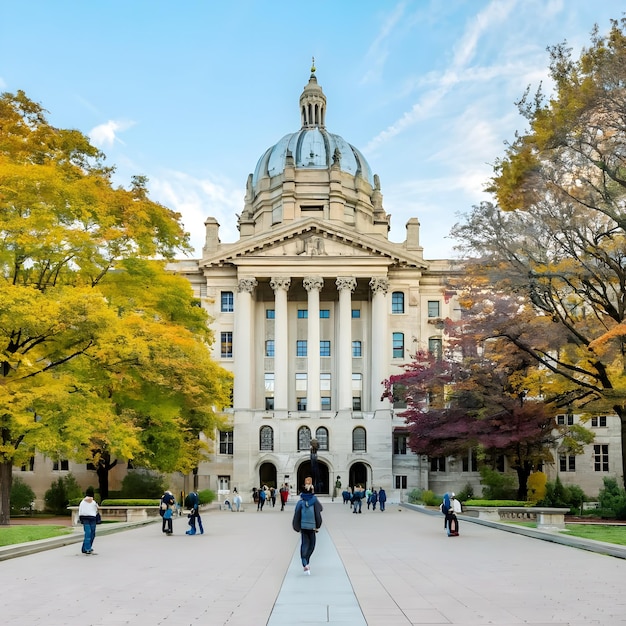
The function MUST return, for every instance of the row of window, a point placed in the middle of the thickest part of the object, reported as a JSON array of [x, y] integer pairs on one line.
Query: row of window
[[397, 307], [596, 421], [226, 346]]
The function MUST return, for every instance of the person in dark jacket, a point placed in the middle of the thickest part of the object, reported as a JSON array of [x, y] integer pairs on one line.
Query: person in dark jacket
[[374, 499], [382, 498], [193, 503], [166, 510], [307, 520]]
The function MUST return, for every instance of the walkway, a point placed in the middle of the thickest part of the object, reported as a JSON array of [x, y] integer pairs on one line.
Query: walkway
[[380, 569]]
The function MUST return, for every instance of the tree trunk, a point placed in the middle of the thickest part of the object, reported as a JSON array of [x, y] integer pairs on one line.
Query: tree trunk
[[522, 478], [6, 480], [621, 413], [103, 469]]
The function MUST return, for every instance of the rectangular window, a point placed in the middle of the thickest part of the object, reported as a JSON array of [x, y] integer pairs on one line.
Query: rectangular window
[[567, 463], [269, 382], [356, 403], [434, 346], [357, 391], [270, 314], [401, 482], [438, 464], [470, 462], [277, 214], [398, 345], [397, 302], [324, 348], [303, 314], [301, 347], [223, 484], [601, 457], [356, 349], [269, 404], [269, 348], [226, 442], [226, 343], [301, 404], [62, 465], [600, 420], [433, 308], [228, 302], [356, 314], [30, 466], [325, 403], [399, 443], [325, 382], [324, 314], [301, 382], [565, 419]]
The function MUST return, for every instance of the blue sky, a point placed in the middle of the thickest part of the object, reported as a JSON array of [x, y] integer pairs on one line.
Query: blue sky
[[191, 93]]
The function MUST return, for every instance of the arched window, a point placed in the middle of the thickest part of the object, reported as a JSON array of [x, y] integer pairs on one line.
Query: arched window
[[397, 302], [304, 438], [321, 434], [266, 438], [359, 439]]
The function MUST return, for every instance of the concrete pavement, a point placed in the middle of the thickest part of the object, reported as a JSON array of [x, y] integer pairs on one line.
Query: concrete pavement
[[380, 569]]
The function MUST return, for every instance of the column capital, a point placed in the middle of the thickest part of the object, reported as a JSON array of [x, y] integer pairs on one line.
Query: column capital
[[247, 285], [313, 283], [346, 282], [379, 284], [280, 282]]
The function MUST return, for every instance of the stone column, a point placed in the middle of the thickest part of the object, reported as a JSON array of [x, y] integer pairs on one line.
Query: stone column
[[313, 285], [243, 346], [346, 286], [280, 286], [379, 340]]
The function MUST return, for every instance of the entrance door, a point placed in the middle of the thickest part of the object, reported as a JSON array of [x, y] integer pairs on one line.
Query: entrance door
[[267, 475], [358, 475], [305, 470]]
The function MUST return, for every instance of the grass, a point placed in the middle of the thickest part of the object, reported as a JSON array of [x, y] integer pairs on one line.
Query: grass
[[23, 534], [598, 532]]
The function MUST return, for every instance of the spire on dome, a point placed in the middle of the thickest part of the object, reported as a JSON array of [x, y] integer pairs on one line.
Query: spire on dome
[[313, 103]]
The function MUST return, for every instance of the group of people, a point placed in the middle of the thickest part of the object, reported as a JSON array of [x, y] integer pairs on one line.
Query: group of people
[[268, 495], [450, 507], [372, 497]]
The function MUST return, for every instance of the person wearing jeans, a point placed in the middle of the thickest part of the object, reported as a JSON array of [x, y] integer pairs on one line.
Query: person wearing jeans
[[87, 514]]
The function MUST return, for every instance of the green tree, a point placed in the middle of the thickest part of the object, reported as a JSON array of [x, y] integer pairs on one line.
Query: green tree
[[555, 243], [103, 353]]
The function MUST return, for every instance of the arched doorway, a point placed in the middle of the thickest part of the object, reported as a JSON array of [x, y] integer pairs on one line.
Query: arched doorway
[[267, 475], [358, 475], [305, 470]]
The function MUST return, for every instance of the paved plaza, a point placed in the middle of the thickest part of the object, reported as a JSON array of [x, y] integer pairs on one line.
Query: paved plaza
[[377, 569]]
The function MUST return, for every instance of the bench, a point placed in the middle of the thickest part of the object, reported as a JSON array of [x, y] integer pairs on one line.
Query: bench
[[546, 518], [120, 513]]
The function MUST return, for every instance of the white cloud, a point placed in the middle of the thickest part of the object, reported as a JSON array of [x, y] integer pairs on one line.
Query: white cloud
[[105, 135], [196, 199]]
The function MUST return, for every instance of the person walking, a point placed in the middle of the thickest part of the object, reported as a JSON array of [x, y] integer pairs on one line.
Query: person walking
[[374, 499], [88, 516], [237, 500], [193, 504], [284, 495], [166, 510], [262, 498], [273, 496], [357, 496], [382, 498], [307, 520], [449, 507], [368, 497]]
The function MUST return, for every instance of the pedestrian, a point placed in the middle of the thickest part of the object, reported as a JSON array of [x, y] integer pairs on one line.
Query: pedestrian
[[346, 496], [368, 497], [273, 496], [307, 520], [262, 498], [192, 502], [237, 500], [374, 499], [255, 496], [166, 510], [382, 498], [357, 496], [454, 520], [450, 521], [284, 495], [88, 516]]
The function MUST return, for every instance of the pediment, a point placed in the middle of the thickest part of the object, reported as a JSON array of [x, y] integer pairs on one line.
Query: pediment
[[309, 238]]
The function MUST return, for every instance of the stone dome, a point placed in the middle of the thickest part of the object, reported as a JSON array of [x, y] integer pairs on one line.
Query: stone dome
[[312, 147]]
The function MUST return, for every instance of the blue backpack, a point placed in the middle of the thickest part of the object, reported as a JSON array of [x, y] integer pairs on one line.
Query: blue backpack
[[307, 515]]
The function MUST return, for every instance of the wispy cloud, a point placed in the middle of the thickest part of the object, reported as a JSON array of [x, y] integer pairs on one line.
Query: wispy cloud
[[105, 135]]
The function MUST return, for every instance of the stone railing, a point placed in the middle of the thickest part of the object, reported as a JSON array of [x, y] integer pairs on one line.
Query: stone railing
[[546, 518], [120, 513]]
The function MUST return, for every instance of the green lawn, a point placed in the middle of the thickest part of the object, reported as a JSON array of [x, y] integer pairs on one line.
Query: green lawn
[[22, 534], [598, 532]]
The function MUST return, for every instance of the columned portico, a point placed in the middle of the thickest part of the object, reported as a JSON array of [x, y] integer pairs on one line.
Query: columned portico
[[313, 285], [380, 356], [243, 384], [280, 285], [346, 286]]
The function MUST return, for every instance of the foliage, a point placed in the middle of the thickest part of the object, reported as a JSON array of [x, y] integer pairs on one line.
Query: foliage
[[554, 245], [612, 499], [415, 496], [206, 496], [132, 502], [142, 484], [11, 535], [21, 496], [559, 495], [467, 493], [60, 493], [597, 532], [94, 366], [495, 503], [537, 486], [497, 485]]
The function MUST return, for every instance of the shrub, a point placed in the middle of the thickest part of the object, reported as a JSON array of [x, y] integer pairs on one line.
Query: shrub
[[142, 484], [537, 486], [497, 485], [206, 496], [466, 493], [415, 496], [60, 493], [612, 499], [21, 496], [559, 495]]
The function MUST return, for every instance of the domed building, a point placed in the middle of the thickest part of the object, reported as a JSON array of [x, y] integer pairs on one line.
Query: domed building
[[313, 308]]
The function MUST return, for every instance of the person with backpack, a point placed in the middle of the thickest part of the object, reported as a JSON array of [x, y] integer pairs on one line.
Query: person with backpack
[[192, 502], [262, 498], [382, 498], [450, 521], [307, 520], [166, 510], [357, 496]]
